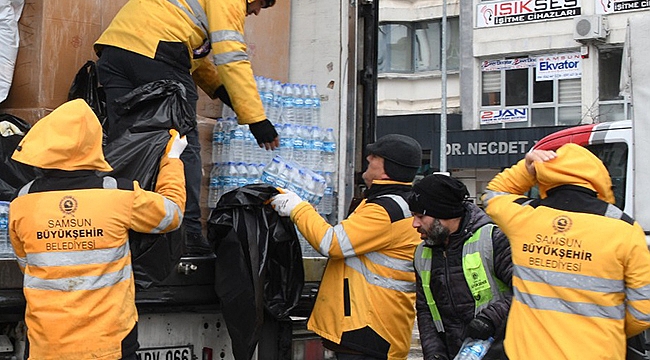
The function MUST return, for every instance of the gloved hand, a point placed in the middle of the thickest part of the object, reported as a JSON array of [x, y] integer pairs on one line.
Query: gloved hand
[[285, 202], [480, 328], [222, 94], [176, 145], [265, 134]]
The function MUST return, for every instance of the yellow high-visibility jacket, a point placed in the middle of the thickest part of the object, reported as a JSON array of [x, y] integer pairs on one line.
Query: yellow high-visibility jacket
[[141, 25], [581, 276], [69, 229], [366, 299]]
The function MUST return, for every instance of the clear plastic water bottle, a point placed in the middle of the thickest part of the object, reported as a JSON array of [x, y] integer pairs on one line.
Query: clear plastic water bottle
[[237, 143], [298, 105], [314, 149], [250, 144], [298, 154], [226, 153], [286, 141], [272, 171], [288, 105], [316, 105], [297, 181], [217, 141], [267, 97], [276, 105], [6, 250], [308, 117], [229, 177], [474, 349], [328, 155], [214, 191], [327, 204], [242, 174], [253, 173], [284, 177]]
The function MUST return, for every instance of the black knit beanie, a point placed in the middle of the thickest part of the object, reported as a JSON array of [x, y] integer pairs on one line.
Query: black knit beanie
[[439, 196]]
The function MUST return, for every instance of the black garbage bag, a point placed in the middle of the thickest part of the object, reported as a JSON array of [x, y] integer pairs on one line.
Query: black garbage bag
[[148, 113], [258, 266], [13, 175], [153, 106], [86, 86]]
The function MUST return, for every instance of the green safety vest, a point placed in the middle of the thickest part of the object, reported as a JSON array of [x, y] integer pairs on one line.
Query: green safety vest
[[478, 256]]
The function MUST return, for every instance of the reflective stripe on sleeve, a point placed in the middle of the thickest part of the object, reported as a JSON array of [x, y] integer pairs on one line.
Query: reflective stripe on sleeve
[[79, 282], [170, 209], [22, 262], [577, 308], [378, 280], [343, 239], [640, 294], [573, 281], [72, 258], [230, 57], [226, 35], [638, 314]]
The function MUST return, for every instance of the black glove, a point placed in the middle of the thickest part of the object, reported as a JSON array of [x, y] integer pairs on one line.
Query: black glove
[[263, 131], [480, 328], [222, 94]]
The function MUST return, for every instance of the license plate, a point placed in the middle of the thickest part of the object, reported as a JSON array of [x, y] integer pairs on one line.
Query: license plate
[[167, 353]]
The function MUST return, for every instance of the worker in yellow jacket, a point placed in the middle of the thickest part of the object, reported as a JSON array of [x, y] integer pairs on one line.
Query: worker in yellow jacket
[[151, 40], [365, 307], [581, 266], [69, 229]]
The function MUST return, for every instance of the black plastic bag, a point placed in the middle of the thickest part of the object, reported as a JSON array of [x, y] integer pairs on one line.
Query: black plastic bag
[[86, 86], [149, 111], [13, 175], [154, 106], [258, 266]]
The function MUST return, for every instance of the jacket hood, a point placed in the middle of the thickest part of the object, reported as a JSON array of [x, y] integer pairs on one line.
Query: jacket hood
[[575, 165], [69, 138]]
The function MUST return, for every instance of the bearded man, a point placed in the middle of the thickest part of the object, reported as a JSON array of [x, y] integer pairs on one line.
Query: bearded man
[[463, 268]]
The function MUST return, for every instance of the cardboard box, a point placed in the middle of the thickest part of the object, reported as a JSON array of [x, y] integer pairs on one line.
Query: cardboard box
[[56, 38], [205, 127]]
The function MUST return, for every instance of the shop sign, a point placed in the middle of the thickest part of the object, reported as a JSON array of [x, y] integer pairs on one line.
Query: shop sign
[[489, 117], [496, 148], [507, 64], [560, 66], [616, 6], [524, 11]]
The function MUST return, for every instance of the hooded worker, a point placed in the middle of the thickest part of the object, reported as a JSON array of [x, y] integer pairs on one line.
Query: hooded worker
[[581, 265], [69, 229]]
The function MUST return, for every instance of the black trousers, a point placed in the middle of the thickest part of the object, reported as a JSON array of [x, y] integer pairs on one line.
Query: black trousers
[[120, 71]]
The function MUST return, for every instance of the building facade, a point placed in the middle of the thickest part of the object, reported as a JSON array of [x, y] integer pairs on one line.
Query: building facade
[[517, 70]]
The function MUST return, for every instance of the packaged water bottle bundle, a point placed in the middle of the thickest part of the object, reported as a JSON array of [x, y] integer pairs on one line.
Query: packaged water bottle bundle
[[288, 174]]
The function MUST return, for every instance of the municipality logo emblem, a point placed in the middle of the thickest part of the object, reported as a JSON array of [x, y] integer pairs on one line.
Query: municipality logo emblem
[[68, 205], [562, 224]]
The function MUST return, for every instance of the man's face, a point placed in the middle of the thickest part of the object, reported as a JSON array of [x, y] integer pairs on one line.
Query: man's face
[[375, 170], [431, 230], [256, 6]]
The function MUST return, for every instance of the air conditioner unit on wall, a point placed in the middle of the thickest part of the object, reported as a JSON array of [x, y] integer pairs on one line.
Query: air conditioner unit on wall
[[588, 28]]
